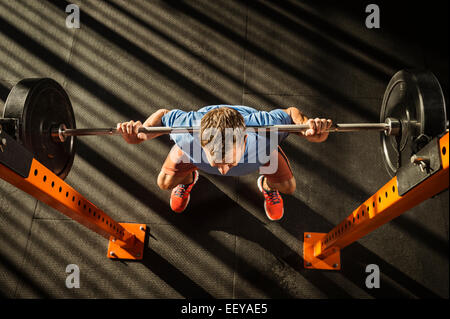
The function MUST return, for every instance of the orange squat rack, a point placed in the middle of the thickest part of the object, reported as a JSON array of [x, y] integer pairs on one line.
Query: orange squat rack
[[322, 250]]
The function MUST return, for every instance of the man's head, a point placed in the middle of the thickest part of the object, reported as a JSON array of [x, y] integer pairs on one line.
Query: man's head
[[222, 137]]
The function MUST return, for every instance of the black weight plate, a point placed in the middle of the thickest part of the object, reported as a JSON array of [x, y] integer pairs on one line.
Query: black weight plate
[[41, 104], [415, 98]]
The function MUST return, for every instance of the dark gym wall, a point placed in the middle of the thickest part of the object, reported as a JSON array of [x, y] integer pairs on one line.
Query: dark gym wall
[[130, 58]]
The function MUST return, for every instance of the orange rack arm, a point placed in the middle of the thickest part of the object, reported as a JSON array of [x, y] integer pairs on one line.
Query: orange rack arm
[[321, 251], [44, 185]]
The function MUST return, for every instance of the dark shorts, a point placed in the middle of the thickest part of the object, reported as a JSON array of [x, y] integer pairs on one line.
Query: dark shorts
[[177, 164]]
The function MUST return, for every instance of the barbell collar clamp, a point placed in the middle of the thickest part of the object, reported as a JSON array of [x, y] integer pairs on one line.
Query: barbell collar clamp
[[393, 127]]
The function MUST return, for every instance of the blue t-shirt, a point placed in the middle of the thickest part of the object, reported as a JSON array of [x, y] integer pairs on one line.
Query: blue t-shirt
[[258, 147]]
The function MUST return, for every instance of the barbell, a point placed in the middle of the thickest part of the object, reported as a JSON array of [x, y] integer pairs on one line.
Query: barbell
[[412, 113], [391, 126]]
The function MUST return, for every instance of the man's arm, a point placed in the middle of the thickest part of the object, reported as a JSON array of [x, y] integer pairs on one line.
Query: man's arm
[[130, 129], [317, 127], [296, 116]]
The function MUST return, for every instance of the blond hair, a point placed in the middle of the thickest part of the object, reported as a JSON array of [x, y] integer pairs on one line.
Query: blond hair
[[216, 128]]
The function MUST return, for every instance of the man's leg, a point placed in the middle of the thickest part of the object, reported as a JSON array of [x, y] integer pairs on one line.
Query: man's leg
[[282, 180], [167, 182], [285, 187], [179, 176]]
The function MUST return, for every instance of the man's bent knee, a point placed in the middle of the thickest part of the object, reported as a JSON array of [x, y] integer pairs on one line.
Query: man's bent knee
[[165, 182]]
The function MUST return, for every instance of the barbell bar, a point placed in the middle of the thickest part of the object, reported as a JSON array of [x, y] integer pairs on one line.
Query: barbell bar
[[391, 126], [413, 111]]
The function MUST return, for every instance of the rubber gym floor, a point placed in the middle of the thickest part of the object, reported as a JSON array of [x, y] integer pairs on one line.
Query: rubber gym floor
[[130, 58]]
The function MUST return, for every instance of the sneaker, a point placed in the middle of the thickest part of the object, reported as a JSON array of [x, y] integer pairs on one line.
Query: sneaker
[[273, 204], [179, 198]]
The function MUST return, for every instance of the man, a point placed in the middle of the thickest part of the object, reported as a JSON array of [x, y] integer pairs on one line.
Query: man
[[227, 145]]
